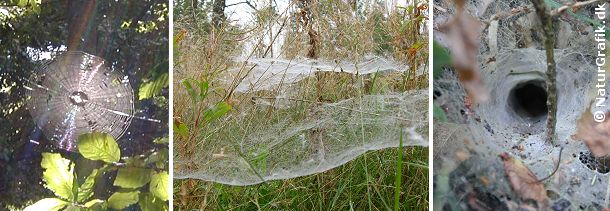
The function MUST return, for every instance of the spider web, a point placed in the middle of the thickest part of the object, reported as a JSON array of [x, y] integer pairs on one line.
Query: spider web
[[331, 135], [77, 93], [511, 54]]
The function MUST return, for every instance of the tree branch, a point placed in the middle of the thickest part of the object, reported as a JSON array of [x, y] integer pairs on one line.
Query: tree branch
[[245, 2]]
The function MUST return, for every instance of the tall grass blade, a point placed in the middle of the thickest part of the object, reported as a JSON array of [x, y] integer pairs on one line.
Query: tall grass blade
[[398, 179]]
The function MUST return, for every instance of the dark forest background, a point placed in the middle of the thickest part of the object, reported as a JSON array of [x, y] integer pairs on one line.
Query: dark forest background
[[132, 36]]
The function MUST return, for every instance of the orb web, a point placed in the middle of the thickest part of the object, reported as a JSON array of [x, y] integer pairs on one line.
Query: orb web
[[77, 93]]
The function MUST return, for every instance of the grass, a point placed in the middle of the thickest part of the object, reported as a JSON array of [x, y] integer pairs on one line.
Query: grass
[[398, 178], [362, 184]]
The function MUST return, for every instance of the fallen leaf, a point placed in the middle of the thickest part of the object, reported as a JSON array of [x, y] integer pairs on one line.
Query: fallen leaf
[[463, 32], [596, 135], [485, 181], [462, 155], [490, 60], [476, 204], [523, 181], [468, 102]]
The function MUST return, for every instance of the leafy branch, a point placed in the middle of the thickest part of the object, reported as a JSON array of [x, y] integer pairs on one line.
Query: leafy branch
[[132, 177]]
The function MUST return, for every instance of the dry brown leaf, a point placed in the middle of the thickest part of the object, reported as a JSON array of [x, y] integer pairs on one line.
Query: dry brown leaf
[[476, 204], [485, 181], [463, 32], [595, 135], [523, 181], [462, 155]]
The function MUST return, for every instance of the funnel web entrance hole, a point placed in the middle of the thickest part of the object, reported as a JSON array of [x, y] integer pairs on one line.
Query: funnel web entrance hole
[[528, 99]]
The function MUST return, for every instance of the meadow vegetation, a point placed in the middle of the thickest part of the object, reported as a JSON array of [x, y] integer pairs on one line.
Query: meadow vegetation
[[207, 108]]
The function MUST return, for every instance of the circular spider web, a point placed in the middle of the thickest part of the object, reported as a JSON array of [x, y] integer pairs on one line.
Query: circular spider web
[[77, 93]]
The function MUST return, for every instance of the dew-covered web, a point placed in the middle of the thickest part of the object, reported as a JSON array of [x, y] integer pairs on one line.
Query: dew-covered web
[[331, 135], [267, 73], [77, 93], [513, 68]]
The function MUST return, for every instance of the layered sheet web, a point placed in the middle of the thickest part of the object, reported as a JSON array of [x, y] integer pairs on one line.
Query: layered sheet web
[[77, 93]]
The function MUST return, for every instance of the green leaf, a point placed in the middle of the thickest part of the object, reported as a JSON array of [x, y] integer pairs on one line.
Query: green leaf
[[160, 158], [189, 89], [163, 140], [159, 185], [122, 200], [22, 3], [181, 129], [99, 146], [93, 202], [73, 208], [202, 92], [58, 175], [51, 204], [132, 177], [203, 89], [154, 87], [216, 111], [441, 59], [148, 202], [438, 113], [36, 6], [85, 191], [177, 38], [96, 205]]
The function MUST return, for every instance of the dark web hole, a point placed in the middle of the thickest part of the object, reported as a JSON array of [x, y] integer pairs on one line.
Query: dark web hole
[[601, 165], [528, 99]]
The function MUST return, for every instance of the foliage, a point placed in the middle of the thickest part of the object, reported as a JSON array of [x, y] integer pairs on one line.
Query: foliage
[[99, 146], [132, 178], [198, 93], [441, 59], [131, 36], [202, 114], [157, 80], [153, 87]]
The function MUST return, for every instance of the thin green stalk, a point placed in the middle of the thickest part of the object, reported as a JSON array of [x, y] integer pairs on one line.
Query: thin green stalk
[[398, 179]]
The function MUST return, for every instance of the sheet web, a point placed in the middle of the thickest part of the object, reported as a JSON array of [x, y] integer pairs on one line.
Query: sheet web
[[290, 144]]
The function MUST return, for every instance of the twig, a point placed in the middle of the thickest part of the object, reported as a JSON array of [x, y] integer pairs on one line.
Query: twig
[[574, 6], [506, 15], [551, 73], [440, 9], [244, 2], [556, 167]]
